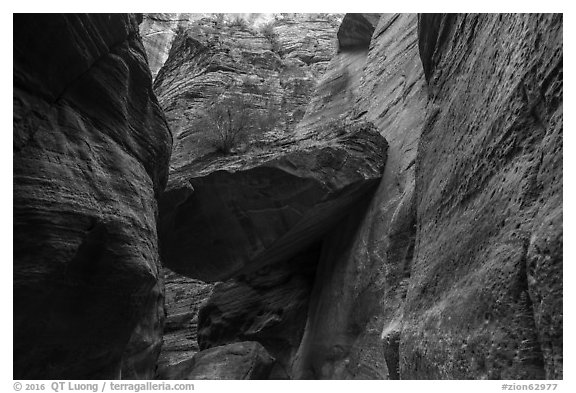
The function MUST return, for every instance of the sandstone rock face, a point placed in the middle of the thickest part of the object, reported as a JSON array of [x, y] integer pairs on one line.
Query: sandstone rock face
[[91, 149], [338, 89], [275, 73], [485, 294], [430, 284], [308, 38], [268, 306], [356, 311], [256, 219], [401, 218], [356, 30], [158, 32], [183, 298], [259, 219], [242, 360]]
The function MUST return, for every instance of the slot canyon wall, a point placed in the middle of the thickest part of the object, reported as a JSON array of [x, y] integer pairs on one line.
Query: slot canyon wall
[[456, 271], [91, 151], [356, 318], [485, 295], [399, 218]]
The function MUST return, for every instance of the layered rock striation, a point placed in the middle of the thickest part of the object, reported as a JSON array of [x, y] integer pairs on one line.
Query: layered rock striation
[[397, 214], [183, 298], [260, 220], [91, 150], [273, 71], [158, 32], [258, 217]]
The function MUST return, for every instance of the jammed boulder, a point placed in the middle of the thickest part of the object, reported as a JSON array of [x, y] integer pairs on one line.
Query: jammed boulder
[[242, 360], [484, 298], [236, 214], [91, 149], [271, 200]]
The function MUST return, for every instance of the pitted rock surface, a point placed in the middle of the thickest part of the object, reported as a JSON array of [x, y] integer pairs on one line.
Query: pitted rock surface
[[396, 212], [484, 298]]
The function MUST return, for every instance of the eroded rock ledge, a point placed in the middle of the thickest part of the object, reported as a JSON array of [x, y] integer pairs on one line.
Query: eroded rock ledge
[[259, 221], [237, 214]]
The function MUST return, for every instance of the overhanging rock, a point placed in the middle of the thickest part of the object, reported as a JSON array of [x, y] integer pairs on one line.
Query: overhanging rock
[[225, 217]]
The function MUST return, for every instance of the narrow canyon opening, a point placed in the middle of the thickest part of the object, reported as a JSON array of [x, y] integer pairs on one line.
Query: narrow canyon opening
[[288, 196]]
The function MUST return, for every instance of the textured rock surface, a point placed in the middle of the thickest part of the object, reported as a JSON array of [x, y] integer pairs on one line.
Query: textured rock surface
[[257, 218], [338, 89], [248, 211], [268, 306], [274, 73], [140, 358], [242, 360], [485, 295], [356, 311], [183, 298], [483, 298], [91, 150], [251, 216], [306, 37], [356, 30], [158, 32]]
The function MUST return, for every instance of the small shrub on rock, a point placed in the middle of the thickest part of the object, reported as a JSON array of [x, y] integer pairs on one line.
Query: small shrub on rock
[[238, 21], [179, 30], [267, 30], [229, 122]]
